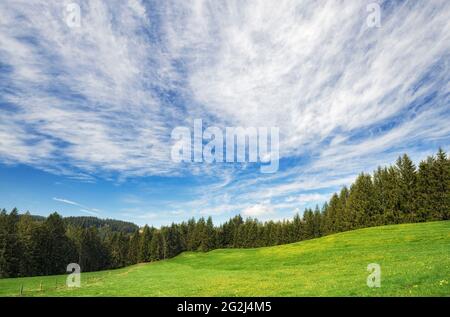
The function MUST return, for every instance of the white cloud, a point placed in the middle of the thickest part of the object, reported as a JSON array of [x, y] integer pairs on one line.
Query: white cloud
[[309, 68], [111, 121], [66, 201], [90, 211], [260, 211], [306, 198]]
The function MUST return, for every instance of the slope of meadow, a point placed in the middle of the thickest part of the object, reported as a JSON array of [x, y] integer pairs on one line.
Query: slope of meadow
[[414, 260]]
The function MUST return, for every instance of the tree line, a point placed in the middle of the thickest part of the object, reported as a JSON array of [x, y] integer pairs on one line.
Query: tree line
[[102, 224], [401, 193]]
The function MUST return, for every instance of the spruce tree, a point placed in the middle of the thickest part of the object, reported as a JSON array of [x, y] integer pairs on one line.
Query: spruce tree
[[200, 235], [133, 250], [441, 176], [59, 252], [156, 246], [332, 222], [408, 188], [393, 212], [323, 221], [211, 234], [343, 221], [308, 218], [426, 185], [360, 202], [317, 222], [144, 245], [10, 248], [298, 227], [25, 228]]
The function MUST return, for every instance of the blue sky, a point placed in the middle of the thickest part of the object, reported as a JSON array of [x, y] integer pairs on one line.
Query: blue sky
[[86, 113]]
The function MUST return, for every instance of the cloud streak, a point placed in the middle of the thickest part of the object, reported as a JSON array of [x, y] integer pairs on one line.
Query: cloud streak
[[84, 209]]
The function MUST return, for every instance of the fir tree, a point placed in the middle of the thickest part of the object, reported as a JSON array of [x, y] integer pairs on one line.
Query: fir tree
[[144, 245], [408, 188], [10, 248], [156, 246]]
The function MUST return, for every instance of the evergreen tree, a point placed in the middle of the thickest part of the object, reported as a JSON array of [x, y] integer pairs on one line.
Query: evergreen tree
[[360, 202], [298, 227], [201, 235], [156, 246], [93, 254], [323, 221], [426, 187], [235, 223], [317, 222], [308, 218], [381, 194], [183, 233], [113, 245], [210, 234], [133, 250], [25, 227], [60, 251], [441, 188], [332, 214], [144, 245], [392, 214], [408, 188], [170, 241], [10, 248], [192, 243], [39, 249], [343, 219]]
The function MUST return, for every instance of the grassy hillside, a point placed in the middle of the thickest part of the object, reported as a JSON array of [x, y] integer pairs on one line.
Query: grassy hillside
[[414, 259]]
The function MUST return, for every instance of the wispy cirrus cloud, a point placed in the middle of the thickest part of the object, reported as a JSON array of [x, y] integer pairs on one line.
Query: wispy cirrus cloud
[[259, 211], [66, 201], [84, 209]]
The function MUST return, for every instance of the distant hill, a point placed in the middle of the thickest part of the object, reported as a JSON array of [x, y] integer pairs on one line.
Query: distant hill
[[87, 222], [115, 225], [36, 217]]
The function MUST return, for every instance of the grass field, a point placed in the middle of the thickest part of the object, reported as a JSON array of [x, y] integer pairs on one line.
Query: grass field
[[414, 259]]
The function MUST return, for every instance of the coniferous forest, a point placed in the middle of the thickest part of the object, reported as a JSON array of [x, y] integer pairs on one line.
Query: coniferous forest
[[402, 193]]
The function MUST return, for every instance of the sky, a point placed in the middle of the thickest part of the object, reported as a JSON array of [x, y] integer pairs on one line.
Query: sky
[[87, 111]]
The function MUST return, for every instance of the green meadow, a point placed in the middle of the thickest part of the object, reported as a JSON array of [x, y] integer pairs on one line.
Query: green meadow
[[414, 261]]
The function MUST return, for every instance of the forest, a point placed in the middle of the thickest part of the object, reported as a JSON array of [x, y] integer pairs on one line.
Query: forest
[[401, 193]]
